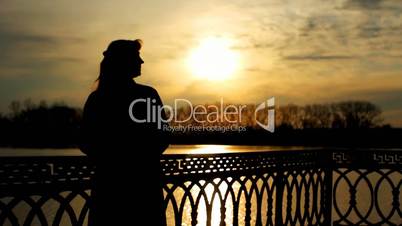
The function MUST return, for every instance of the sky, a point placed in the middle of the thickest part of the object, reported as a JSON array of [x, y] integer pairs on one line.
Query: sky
[[299, 51]]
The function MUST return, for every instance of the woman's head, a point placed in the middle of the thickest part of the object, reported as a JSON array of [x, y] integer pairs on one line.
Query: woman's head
[[121, 62]]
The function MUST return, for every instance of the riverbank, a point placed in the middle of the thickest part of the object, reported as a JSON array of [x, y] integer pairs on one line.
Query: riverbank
[[372, 138]]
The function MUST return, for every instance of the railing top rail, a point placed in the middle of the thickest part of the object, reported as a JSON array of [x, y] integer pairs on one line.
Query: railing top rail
[[17, 169], [323, 151]]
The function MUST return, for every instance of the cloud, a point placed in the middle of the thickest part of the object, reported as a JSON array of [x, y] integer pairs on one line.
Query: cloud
[[372, 6], [9, 35], [363, 4], [321, 36], [15, 37], [27, 52], [317, 57], [332, 35], [370, 31]]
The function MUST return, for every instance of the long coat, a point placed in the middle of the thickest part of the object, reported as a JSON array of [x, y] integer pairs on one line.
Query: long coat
[[126, 151]]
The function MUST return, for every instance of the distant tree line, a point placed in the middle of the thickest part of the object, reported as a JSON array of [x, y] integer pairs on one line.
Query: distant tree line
[[347, 115], [57, 124], [30, 124]]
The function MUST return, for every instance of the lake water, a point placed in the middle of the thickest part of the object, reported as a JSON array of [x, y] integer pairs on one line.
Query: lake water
[[362, 196], [173, 149]]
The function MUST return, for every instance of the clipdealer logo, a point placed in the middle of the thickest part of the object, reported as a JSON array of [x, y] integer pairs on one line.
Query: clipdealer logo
[[270, 104], [212, 114]]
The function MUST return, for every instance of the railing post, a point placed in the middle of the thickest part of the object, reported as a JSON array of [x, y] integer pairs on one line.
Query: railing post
[[279, 195], [327, 204]]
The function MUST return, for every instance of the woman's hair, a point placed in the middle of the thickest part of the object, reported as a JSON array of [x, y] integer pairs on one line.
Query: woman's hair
[[116, 62]]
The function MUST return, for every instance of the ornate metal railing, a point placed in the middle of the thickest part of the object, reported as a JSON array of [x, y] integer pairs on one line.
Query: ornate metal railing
[[367, 187], [44, 190], [306, 187]]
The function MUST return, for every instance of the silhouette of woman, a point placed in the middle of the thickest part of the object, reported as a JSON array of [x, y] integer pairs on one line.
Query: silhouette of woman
[[126, 152]]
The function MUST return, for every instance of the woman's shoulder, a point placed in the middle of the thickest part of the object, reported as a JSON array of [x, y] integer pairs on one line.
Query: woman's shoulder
[[90, 99], [93, 96]]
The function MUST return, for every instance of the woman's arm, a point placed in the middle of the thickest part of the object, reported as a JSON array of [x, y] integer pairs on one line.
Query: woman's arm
[[87, 126], [163, 135]]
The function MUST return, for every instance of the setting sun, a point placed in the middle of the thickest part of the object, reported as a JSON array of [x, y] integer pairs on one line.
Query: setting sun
[[213, 59]]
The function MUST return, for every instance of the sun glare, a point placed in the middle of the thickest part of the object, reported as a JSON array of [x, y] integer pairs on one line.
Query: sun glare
[[213, 59]]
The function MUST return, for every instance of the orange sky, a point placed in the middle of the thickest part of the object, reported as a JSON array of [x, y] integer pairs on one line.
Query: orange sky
[[308, 51]]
